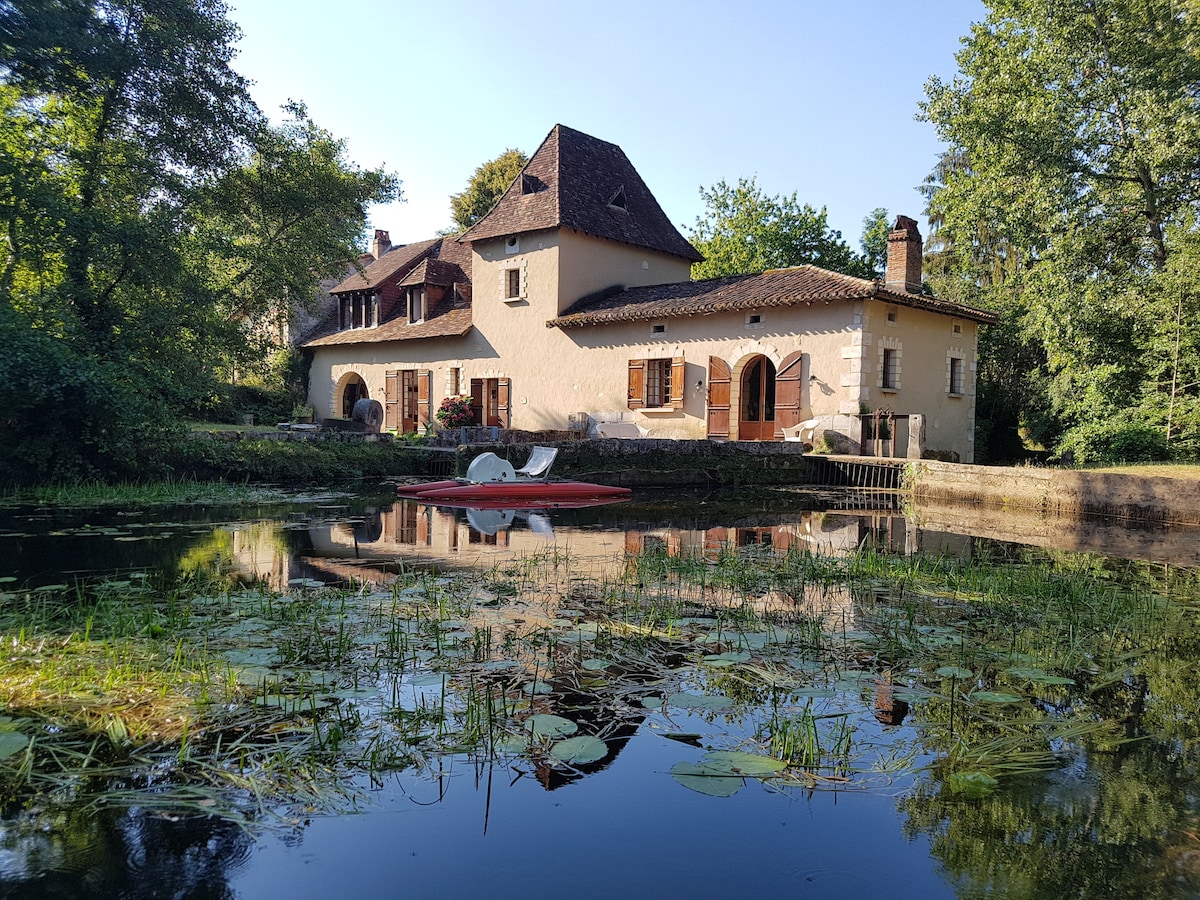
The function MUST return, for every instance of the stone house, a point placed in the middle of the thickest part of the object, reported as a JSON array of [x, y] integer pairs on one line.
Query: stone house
[[571, 300]]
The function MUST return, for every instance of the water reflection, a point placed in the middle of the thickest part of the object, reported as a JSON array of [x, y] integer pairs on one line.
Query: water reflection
[[872, 668]]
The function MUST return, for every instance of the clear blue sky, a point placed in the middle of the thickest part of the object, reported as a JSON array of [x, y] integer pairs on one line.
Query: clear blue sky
[[812, 96]]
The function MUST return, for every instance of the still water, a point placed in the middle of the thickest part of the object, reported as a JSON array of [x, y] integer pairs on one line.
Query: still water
[[726, 696]]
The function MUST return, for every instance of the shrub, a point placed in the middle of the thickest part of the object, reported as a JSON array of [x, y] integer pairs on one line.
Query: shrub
[[455, 412], [1101, 443]]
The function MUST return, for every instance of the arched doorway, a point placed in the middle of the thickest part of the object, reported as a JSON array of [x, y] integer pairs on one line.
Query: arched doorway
[[355, 389], [756, 404]]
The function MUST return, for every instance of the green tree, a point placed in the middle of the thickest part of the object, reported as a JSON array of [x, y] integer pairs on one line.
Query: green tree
[[485, 187], [743, 230], [874, 241], [1077, 134], [147, 211], [295, 212]]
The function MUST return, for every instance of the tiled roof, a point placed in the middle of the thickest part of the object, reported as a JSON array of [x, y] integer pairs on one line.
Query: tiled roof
[[395, 260], [799, 285], [580, 182], [435, 271], [451, 323]]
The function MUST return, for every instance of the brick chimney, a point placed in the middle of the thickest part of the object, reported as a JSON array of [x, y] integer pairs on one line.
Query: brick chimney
[[382, 244], [904, 257]]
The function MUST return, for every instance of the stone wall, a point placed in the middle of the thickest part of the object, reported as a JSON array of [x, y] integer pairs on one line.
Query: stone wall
[[1061, 492]]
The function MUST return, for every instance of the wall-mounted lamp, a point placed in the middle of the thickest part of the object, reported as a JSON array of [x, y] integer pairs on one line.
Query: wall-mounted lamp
[[812, 378], [699, 383]]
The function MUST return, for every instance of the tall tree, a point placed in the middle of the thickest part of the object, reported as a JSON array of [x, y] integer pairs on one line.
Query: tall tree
[[294, 213], [142, 102], [874, 241], [1078, 135], [743, 230], [487, 185]]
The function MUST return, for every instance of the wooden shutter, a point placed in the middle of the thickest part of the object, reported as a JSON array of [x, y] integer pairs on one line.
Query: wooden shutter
[[504, 402], [477, 386], [788, 390], [637, 383], [391, 400], [718, 398], [678, 370], [424, 390]]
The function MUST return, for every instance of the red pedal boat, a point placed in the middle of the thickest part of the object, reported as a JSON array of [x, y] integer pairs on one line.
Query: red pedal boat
[[494, 480]]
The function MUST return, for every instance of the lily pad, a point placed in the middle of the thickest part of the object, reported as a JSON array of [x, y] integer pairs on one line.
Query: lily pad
[[721, 660], [972, 785], [955, 672], [705, 780], [580, 750], [548, 725], [693, 701], [740, 763], [596, 665], [12, 742]]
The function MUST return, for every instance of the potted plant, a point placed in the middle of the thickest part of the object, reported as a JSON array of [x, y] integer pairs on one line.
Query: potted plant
[[302, 414]]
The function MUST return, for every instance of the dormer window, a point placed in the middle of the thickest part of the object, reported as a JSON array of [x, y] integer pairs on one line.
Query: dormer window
[[531, 184], [416, 304], [618, 200]]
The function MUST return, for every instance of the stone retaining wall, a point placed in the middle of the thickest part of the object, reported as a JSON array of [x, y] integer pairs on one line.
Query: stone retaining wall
[[1059, 492]]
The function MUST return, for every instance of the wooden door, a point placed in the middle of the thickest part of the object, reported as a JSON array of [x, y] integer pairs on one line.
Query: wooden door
[[788, 393], [718, 398], [408, 400], [756, 403]]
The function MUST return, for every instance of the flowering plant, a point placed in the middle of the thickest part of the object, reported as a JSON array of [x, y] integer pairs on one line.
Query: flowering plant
[[455, 412]]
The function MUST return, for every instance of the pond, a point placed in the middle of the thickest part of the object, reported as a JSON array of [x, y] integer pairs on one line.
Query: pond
[[708, 696]]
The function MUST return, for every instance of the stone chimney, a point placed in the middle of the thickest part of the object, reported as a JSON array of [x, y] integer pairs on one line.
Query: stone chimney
[[382, 244], [904, 251]]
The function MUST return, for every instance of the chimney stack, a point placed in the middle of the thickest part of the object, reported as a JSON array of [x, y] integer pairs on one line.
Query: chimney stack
[[382, 244], [904, 251]]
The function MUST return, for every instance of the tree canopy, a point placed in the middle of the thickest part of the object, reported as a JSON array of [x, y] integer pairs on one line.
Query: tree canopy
[[149, 213], [743, 230], [1067, 202], [487, 185]]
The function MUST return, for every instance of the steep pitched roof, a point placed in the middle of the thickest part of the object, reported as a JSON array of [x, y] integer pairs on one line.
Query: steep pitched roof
[[451, 323], [799, 285], [395, 260], [436, 261], [580, 182]]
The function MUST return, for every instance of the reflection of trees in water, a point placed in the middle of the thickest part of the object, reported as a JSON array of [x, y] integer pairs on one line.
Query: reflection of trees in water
[[1103, 826], [131, 853]]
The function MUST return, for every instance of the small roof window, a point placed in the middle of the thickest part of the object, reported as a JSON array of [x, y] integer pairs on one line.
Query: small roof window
[[618, 199]]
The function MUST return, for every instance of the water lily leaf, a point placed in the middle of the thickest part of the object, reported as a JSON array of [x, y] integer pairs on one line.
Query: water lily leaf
[[955, 672], [704, 780], [426, 679], [972, 785], [548, 725], [652, 702], [692, 701], [580, 750], [995, 697], [596, 665], [12, 742], [740, 763], [721, 660], [537, 687]]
